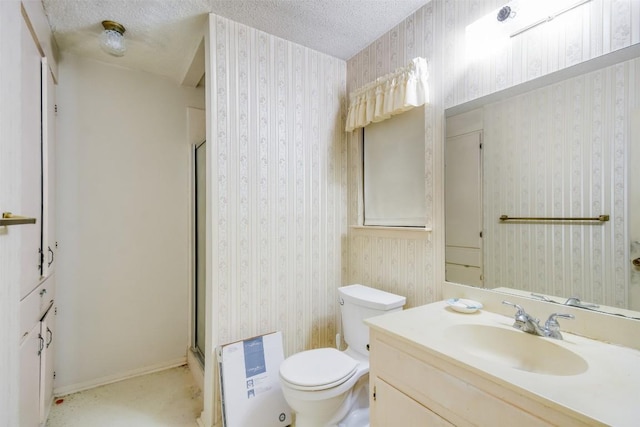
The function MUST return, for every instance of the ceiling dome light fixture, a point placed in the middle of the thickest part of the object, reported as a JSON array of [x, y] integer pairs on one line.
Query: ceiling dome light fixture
[[112, 38]]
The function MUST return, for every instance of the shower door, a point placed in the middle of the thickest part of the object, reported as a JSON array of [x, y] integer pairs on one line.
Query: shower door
[[199, 238]]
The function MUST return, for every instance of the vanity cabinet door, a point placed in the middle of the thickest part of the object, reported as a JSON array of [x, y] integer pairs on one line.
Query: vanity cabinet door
[[47, 331], [30, 167], [49, 112], [391, 407], [36, 353], [30, 350]]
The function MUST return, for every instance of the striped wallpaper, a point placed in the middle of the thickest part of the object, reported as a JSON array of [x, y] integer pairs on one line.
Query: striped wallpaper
[[561, 151], [278, 184], [402, 262], [286, 179], [282, 178], [588, 31], [411, 266]]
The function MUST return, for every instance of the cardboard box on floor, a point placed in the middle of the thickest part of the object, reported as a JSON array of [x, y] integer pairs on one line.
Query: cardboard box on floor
[[250, 382]]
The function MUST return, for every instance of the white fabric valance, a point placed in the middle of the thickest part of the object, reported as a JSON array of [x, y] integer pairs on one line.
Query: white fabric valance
[[388, 95]]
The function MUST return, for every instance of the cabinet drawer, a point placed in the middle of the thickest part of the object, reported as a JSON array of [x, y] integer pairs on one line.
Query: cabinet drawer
[[35, 305]]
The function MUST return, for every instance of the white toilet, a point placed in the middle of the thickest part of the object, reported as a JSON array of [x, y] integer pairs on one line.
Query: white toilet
[[326, 387]]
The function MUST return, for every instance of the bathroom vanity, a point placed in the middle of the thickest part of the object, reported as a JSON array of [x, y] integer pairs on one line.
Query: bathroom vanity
[[430, 365]]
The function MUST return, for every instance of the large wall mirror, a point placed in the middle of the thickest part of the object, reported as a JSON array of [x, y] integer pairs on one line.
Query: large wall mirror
[[562, 156]]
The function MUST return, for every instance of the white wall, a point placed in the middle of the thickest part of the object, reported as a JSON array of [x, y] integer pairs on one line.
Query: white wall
[[123, 218]]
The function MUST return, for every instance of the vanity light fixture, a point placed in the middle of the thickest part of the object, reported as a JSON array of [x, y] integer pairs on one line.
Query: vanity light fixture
[[112, 38], [552, 10], [504, 13]]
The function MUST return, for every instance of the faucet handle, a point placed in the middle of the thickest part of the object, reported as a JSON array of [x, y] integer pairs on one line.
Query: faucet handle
[[551, 321], [523, 321], [517, 307], [552, 327], [575, 302], [542, 297]]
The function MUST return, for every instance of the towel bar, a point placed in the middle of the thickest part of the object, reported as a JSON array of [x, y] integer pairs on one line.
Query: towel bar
[[601, 218]]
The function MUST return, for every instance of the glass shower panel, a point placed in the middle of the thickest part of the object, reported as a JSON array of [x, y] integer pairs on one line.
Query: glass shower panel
[[199, 294]]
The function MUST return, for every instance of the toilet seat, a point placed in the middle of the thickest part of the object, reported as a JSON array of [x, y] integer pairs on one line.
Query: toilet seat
[[319, 369]]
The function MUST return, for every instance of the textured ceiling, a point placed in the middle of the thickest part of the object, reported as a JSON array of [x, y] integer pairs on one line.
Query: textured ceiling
[[163, 35]]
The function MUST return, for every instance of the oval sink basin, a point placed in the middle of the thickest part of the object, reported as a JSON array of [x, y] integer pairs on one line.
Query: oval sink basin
[[516, 349]]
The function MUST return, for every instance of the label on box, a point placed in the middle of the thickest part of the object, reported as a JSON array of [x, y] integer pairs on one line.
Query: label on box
[[250, 382]]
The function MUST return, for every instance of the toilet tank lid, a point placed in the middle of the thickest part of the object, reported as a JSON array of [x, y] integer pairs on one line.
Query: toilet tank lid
[[370, 297]]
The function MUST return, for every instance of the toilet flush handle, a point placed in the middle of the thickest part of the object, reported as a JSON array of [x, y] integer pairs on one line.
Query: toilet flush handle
[[340, 301]]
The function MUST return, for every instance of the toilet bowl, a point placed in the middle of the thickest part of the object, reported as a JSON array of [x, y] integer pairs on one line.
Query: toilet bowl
[[326, 387]]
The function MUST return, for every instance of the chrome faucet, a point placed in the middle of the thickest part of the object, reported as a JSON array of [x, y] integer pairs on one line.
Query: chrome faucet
[[524, 321], [572, 301], [531, 325], [575, 302]]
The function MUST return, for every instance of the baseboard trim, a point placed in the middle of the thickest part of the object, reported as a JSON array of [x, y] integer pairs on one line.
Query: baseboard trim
[[109, 379]]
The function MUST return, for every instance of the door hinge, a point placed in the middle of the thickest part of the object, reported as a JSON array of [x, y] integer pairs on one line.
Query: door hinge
[[481, 234], [54, 375], [55, 108], [374, 393], [55, 310]]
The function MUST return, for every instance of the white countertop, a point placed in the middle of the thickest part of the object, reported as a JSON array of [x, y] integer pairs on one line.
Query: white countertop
[[608, 391]]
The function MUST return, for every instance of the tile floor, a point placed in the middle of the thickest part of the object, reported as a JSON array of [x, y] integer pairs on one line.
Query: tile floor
[[168, 398]]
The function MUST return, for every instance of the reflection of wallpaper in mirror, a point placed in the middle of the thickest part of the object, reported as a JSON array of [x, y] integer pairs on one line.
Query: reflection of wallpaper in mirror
[[561, 151], [634, 208]]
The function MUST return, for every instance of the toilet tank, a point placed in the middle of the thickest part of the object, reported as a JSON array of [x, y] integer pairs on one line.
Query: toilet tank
[[357, 303]]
